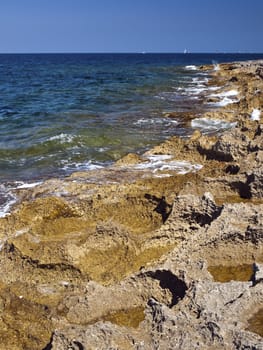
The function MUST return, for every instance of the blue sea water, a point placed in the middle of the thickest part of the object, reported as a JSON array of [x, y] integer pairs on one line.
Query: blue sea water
[[65, 112]]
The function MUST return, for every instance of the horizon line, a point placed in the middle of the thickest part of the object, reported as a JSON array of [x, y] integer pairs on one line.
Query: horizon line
[[130, 52]]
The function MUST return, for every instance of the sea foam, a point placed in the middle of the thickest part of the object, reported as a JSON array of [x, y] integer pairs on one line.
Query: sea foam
[[191, 67], [63, 138], [80, 166], [153, 121], [228, 97], [8, 197], [157, 163], [255, 115], [5, 208], [211, 125], [229, 93]]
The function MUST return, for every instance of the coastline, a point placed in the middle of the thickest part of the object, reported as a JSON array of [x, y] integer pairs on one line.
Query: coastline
[[131, 242]]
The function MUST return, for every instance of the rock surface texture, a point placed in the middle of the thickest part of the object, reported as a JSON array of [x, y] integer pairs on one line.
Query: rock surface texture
[[134, 257]]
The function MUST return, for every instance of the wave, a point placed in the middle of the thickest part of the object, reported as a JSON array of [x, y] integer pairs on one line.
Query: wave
[[175, 97], [207, 125], [198, 80], [63, 138], [224, 102], [191, 67], [24, 185], [230, 93], [155, 121], [228, 97], [7, 201], [8, 196], [69, 166], [196, 90], [162, 163]]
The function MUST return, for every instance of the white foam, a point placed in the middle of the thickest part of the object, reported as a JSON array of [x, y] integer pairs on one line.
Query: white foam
[[213, 88], [162, 175], [198, 80], [171, 96], [5, 208], [152, 121], [157, 163], [196, 91], [63, 138], [159, 157], [226, 101], [102, 149], [81, 166], [28, 185], [255, 115], [228, 97], [216, 66], [191, 67], [211, 125], [230, 93]]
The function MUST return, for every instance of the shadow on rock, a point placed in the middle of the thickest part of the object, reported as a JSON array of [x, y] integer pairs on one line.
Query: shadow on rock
[[162, 207], [169, 281]]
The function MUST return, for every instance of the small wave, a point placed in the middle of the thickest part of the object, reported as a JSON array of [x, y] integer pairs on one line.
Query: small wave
[[230, 93], [199, 80], [226, 101], [196, 90], [228, 97], [191, 67], [8, 197], [81, 166], [174, 97], [63, 138], [24, 185], [211, 125], [213, 88], [155, 121], [7, 200], [157, 163], [102, 149]]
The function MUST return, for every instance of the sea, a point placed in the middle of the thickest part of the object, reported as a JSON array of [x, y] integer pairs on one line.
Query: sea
[[61, 113]]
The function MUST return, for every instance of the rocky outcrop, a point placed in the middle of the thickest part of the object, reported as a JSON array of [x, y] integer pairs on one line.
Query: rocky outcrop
[[159, 251]]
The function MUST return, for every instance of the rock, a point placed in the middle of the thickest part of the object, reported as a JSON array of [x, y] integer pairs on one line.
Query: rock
[[196, 135], [258, 271], [129, 159]]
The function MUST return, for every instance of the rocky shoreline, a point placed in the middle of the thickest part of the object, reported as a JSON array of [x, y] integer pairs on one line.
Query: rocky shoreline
[[159, 251]]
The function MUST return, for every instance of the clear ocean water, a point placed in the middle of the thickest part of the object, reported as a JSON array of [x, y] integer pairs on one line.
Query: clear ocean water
[[65, 112]]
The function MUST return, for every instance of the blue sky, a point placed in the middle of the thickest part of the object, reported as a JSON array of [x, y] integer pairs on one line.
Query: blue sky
[[131, 25]]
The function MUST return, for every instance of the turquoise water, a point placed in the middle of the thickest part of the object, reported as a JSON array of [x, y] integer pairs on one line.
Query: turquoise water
[[67, 112]]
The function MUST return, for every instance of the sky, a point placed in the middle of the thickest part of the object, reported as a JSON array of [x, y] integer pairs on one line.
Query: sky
[[131, 26]]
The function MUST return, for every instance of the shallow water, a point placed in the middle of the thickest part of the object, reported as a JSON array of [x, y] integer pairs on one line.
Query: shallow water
[[127, 318], [256, 323], [65, 112], [224, 274]]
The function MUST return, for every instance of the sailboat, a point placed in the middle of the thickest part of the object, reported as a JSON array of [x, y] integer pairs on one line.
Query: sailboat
[[185, 51]]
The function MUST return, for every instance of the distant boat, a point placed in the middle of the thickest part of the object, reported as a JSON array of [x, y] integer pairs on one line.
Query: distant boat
[[185, 51]]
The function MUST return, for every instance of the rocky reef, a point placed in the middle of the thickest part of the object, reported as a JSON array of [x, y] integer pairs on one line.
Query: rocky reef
[[158, 251]]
